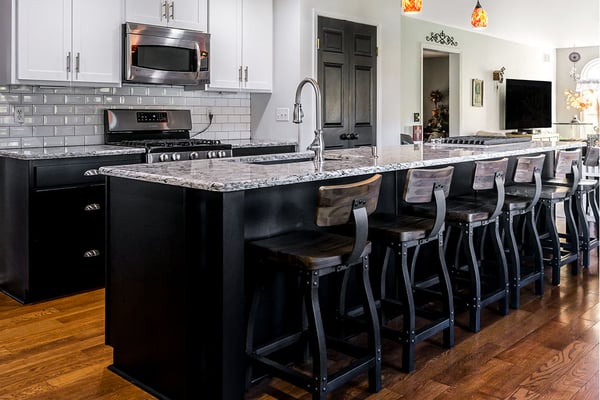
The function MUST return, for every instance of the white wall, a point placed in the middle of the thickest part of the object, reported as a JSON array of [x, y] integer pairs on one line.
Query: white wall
[[399, 67]]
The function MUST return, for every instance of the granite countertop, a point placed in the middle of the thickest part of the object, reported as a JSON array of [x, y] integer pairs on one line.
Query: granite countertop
[[242, 173], [243, 143], [45, 153]]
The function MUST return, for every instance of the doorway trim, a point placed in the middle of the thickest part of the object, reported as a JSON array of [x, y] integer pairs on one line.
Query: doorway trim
[[454, 85]]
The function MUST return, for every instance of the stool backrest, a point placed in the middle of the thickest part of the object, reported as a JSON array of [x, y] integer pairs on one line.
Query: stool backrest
[[486, 172], [335, 203], [591, 156], [421, 182], [565, 160], [526, 166]]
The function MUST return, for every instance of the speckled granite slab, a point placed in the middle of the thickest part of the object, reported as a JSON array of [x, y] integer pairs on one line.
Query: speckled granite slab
[[44, 153], [242, 143], [243, 173]]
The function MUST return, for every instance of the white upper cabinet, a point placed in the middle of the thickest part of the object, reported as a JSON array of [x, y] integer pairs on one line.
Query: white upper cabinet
[[68, 41], [241, 44], [184, 14]]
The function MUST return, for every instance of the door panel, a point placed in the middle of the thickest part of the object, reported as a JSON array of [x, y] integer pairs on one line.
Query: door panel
[[347, 63]]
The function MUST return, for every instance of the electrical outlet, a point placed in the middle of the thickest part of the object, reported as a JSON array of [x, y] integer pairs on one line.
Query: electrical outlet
[[416, 117], [19, 114], [282, 114]]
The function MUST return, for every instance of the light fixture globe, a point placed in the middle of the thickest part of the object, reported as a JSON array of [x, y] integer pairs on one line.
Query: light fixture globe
[[412, 6], [479, 17]]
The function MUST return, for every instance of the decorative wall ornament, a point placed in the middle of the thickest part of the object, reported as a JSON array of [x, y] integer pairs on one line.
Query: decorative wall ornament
[[441, 38]]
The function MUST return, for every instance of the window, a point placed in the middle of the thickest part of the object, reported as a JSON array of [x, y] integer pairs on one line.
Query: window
[[590, 79]]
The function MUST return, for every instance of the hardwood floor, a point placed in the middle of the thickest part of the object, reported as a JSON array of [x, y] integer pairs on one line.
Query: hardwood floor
[[548, 349]]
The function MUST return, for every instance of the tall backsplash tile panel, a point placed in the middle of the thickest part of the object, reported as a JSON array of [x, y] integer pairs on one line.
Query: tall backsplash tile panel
[[71, 116]]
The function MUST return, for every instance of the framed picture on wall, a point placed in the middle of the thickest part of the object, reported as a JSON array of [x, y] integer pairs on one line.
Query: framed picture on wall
[[477, 93]]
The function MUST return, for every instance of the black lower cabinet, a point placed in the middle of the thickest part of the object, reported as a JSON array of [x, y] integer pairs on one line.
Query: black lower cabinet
[[52, 226]]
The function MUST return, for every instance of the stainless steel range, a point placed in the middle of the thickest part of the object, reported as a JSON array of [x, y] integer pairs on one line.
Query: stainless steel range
[[165, 134]]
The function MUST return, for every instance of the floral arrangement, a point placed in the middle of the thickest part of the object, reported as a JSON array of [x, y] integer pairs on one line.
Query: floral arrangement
[[579, 100]]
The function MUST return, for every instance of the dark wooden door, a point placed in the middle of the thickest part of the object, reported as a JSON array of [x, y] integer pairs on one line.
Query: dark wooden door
[[347, 73]]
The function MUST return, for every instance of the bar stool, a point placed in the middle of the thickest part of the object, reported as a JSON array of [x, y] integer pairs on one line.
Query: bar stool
[[312, 255], [400, 233], [586, 196], [477, 280], [558, 252], [523, 247]]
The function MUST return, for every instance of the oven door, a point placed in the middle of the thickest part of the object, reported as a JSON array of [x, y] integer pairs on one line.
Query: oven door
[[165, 55]]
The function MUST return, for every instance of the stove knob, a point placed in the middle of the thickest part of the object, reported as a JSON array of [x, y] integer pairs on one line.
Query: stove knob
[[175, 157], [194, 155], [163, 157], [222, 154], [210, 154]]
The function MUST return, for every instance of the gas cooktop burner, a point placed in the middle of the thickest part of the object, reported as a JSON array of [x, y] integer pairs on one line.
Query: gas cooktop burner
[[152, 143]]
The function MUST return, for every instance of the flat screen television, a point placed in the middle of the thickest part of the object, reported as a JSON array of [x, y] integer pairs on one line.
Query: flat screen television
[[528, 104]]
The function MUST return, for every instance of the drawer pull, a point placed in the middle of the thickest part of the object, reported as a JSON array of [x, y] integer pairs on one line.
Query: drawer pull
[[91, 253], [91, 172], [92, 207]]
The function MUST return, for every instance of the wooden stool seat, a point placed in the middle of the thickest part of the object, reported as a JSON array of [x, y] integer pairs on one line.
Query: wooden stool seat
[[309, 250], [308, 255], [402, 292], [401, 228]]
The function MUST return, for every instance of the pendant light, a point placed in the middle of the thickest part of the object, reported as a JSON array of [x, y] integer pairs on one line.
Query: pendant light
[[479, 17], [412, 6]]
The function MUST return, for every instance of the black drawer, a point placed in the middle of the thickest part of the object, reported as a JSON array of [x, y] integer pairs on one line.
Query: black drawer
[[75, 172]]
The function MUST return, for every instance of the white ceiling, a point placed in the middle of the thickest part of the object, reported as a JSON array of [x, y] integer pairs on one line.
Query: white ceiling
[[540, 23]]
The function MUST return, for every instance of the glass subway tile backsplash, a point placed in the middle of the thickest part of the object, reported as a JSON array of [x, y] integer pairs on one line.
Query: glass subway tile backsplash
[[72, 116]]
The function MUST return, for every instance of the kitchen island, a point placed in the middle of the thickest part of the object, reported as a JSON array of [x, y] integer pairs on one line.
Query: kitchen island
[[175, 291]]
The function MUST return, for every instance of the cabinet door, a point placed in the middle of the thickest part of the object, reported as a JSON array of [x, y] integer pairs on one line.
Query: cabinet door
[[188, 14], [97, 41], [183, 14], [257, 45], [44, 40], [225, 44], [152, 12], [67, 241]]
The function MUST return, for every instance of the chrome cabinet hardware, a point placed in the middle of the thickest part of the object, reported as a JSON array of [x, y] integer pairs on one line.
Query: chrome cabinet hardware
[[246, 74], [172, 6], [68, 63], [91, 253], [92, 207], [77, 58], [240, 74], [91, 172], [164, 13]]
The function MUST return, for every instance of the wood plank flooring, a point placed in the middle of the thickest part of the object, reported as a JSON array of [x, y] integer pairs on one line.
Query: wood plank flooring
[[548, 349]]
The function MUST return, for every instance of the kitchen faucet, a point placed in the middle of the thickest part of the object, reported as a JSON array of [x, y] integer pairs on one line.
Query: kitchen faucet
[[317, 143]]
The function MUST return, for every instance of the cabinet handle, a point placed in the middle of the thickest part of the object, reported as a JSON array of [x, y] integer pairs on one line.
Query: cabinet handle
[[92, 207], [172, 6], [91, 172], [91, 253], [240, 74], [164, 14], [246, 74], [344, 136], [353, 136], [68, 63], [77, 58]]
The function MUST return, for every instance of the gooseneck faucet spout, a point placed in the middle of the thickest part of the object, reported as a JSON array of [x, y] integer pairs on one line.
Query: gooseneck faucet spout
[[317, 144]]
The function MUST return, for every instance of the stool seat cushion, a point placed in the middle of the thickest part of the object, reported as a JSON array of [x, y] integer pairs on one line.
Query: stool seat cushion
[[463, 210], [308, 250], [399, 228], [583, 185], [511, 202], [549, 192]]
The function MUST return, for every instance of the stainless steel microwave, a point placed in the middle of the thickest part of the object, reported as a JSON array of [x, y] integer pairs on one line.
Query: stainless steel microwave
[[162, 55]]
